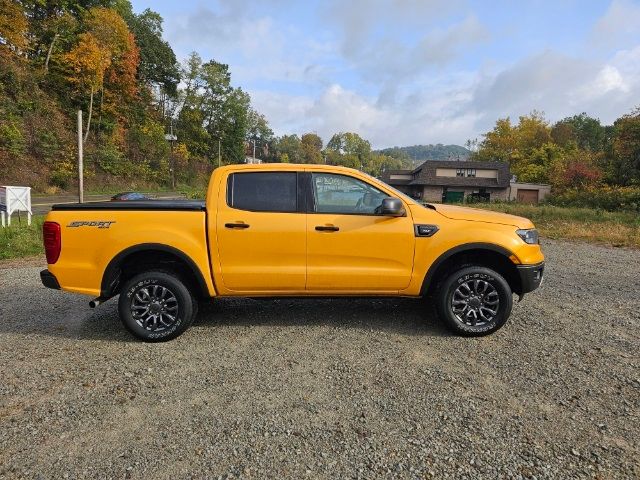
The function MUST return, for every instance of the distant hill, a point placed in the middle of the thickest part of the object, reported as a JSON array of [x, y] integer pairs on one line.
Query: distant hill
[[420, 153]]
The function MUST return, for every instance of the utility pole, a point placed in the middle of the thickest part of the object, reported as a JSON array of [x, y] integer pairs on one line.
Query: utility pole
[[80, 160], [171, 138], [173, 166], [254, 150]]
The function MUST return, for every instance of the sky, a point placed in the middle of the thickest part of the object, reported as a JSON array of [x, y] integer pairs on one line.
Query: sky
[[406, 72]]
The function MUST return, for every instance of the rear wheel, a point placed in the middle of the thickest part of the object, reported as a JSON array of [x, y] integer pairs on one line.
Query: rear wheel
[[156, 306], [474, 301]]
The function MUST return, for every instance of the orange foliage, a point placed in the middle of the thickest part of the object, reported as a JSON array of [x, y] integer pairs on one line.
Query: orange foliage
[[13, 24], [88, 60]]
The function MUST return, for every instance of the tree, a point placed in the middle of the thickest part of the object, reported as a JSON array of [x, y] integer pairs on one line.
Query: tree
[[88, 62], [349, 143], [379, 163], [624, 163], [528, 147], [587, 132], [55, 27], [13, 25], [158, 64], [258, 131], [289, 149], [234, 125], [579, 173], [311, 148], [106, 43]]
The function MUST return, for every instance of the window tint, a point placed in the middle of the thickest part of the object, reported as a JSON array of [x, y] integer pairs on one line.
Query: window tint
[[343, 194], [263, 191]]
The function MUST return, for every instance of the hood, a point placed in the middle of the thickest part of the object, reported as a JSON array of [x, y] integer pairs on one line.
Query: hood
[[479, 215]]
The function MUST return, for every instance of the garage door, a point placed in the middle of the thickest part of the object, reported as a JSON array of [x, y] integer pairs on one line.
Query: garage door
[[453, 197], [527, 196]]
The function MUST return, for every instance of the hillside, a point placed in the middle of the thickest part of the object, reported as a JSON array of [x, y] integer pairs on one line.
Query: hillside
[[418, 153]]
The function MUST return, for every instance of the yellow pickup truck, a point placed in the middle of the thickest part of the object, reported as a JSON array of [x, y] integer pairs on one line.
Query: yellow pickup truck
[[275, 230]]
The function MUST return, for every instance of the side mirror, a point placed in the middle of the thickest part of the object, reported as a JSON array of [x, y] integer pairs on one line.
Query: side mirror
[[392, 207]]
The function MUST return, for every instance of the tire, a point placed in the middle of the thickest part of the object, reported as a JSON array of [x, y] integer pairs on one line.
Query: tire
[[156, 306], [474, 301]]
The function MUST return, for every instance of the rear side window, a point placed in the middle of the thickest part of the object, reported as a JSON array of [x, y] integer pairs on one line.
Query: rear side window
[[263, 191]]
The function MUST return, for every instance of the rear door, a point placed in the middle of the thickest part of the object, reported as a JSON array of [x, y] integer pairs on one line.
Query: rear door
[[351, 248], [261, 232]]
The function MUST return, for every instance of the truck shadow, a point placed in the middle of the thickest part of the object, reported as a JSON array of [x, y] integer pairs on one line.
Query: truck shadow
[[395, 315], [57, 314]]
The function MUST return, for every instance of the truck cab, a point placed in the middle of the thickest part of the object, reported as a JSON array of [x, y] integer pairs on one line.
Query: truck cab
[[272, 230]]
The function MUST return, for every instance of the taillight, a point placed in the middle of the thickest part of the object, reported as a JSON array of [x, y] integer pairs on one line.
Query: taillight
[[52, 241]]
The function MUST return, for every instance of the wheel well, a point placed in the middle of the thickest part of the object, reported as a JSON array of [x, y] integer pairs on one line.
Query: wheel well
[[130, 263], [494, 260]]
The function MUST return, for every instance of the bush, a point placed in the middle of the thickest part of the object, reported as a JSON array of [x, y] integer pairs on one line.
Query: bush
[[111, 160], [11, 137], [609, 198], [62, 173]]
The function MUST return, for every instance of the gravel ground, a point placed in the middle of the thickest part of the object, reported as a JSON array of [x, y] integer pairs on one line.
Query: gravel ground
[[328, 388]]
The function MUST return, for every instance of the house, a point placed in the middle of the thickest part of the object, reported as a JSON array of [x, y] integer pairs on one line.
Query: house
[[453, 181]]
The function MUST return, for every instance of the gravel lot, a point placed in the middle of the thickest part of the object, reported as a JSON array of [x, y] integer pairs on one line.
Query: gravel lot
[[328, 388]]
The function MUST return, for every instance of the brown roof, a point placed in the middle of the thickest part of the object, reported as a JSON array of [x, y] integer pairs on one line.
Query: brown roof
[[425, 174]]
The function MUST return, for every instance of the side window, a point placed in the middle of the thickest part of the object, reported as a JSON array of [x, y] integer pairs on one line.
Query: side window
[[343, 194], [263, 191]]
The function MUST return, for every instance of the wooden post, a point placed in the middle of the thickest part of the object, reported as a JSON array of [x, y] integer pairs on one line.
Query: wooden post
[[80, 160]]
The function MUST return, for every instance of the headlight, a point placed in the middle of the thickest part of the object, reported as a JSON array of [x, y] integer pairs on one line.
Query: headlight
[[529, 236]]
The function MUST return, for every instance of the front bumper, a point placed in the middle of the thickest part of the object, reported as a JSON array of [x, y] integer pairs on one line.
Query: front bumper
[[530, 277], [49, 280]]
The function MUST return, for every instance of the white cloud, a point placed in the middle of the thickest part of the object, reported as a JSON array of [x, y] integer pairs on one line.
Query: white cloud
[[562, 85], [619, 25], [454, 108], [361, 71]]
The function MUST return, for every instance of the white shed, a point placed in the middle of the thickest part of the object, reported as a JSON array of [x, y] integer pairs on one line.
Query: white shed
[[14, 199]]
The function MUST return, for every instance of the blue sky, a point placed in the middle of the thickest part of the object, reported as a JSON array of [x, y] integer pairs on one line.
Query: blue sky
[[404, 72]]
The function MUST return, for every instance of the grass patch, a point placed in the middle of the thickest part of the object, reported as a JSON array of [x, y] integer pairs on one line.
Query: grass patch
[[572, 223], [20, 240]]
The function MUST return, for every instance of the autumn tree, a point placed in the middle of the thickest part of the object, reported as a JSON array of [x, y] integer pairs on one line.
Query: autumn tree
[[88, 61], [528, 147], [13, 25]]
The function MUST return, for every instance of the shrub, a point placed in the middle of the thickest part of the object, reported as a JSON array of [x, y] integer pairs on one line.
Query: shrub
[[11, 137], [606, 197], [62, 173]]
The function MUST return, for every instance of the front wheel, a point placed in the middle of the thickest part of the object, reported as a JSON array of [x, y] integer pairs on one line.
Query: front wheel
[[474, 301], [156, 306]]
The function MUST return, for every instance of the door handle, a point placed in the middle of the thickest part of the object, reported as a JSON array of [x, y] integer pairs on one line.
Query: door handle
[[236, 225], [327, 228]]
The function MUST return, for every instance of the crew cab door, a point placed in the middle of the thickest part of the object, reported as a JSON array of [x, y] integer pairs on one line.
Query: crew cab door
[[350, 248], [261, 232]]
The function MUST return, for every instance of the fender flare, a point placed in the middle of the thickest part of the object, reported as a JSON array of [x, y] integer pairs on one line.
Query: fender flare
[[426, 283], [112, 272]]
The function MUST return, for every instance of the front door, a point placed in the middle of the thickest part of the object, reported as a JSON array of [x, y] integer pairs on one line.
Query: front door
[[350, 247], [261, 232]]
